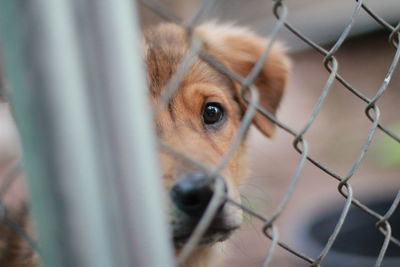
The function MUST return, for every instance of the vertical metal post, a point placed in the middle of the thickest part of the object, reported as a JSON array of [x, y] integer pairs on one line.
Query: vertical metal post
[[50, 95], [122, 90]]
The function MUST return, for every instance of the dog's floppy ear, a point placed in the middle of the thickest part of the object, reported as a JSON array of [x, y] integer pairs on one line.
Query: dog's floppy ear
[[239, 49]]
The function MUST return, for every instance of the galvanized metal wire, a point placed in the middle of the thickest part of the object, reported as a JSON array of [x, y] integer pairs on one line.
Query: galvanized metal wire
[[300, 144], [372, 111]]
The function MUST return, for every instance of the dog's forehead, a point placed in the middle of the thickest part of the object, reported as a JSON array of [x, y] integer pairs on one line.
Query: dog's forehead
[[165, 47]]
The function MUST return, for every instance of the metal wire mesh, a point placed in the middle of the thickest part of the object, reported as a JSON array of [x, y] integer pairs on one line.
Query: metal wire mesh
[[300, 144]]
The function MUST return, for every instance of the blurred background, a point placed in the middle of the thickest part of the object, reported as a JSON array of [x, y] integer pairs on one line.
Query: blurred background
[[335, 138]]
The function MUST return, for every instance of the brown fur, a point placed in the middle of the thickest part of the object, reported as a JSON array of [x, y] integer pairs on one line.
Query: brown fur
[[15, 251], [179, 125]]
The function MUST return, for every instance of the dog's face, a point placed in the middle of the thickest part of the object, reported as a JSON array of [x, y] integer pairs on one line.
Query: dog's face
[[202, 117]]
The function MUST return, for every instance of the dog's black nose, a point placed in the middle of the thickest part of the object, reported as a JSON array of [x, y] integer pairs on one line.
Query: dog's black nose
[[192, 193]]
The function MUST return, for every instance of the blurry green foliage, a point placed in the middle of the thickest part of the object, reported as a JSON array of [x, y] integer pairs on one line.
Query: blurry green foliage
[[387, 149]]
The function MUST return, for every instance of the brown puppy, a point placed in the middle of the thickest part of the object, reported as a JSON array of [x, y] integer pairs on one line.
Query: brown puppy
[[200, 121], [202, 118]]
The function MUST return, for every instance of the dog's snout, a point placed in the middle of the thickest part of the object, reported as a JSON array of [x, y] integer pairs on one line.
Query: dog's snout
[[192, 193]]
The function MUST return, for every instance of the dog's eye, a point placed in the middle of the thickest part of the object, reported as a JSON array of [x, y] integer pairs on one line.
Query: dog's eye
[[212, 113]]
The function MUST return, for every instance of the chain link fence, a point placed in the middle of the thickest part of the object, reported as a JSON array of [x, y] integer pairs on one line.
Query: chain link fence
[[16, 231]]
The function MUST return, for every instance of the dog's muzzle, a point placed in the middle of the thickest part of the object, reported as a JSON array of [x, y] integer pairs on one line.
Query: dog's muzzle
[[191, 195]]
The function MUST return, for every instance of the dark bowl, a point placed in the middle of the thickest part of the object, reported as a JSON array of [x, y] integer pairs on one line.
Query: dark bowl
[[359, 242]]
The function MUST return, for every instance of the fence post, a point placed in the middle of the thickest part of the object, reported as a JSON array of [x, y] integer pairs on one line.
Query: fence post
[[42, 54], [120, 81]]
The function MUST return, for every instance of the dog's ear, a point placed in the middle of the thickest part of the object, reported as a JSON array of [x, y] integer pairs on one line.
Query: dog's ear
[[239, 49]]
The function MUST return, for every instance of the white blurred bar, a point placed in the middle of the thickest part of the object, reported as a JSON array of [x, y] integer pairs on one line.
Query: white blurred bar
[[71, 202], [124, 94]]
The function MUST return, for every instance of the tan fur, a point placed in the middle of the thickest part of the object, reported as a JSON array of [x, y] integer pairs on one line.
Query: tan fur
[[239, 49], [178, 124]]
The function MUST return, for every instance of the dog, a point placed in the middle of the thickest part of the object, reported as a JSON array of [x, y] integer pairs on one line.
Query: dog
[[199, 120]]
